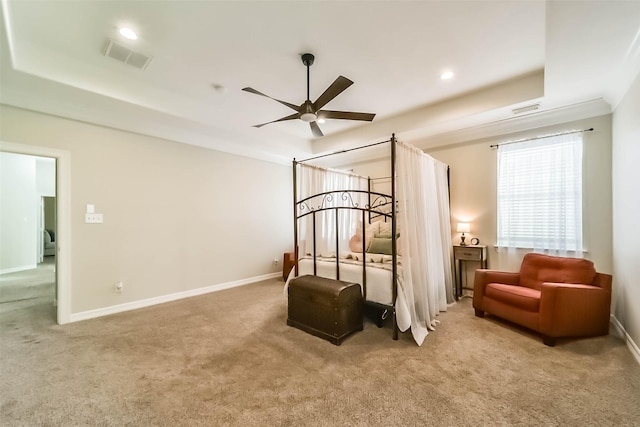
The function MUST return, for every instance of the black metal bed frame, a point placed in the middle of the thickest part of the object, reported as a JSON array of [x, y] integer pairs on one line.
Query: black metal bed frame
[[377, 205]]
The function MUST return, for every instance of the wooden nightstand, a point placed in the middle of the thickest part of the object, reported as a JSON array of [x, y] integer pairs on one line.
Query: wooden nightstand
[[463, 254]]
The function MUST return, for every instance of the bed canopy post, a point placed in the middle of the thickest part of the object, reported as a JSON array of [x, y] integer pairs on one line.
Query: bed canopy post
[[394, 243], [295, 217], [368, 199], [315, 250], [364, 250], [337, 245]]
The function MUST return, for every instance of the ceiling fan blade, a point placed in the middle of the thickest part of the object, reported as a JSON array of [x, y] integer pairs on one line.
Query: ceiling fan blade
[[291, 117], [288, 104], [315, 129], [336, 88], [346, 115]]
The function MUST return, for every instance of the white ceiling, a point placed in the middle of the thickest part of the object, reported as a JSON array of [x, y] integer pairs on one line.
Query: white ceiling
[[578, 56]]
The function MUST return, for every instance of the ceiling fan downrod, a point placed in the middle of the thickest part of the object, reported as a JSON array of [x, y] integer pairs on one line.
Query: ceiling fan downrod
[[306, 110], [307, 60]]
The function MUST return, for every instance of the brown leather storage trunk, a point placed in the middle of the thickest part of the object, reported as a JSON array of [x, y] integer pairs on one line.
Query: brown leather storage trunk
[[327, 308]]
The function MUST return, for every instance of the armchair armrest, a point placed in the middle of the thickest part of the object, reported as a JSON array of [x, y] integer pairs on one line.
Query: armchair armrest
[[603, 281], [484, 276], [574, 310]]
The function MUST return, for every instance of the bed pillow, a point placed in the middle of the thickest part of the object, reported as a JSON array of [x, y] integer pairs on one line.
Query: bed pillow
[[370, 230], [385, 227], [380, 245], [355, 244], [386, 235]]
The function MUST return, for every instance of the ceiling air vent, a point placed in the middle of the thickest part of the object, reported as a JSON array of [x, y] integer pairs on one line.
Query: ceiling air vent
[[124, 54], [526, 109]]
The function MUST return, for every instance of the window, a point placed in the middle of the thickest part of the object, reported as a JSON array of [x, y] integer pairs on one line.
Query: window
[[315, 180], [539, 194]]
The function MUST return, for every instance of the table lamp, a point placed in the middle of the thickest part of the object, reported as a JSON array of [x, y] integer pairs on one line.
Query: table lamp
[[463, 227]]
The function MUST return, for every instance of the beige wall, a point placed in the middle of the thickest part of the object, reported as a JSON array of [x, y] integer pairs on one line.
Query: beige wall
[[473, 190], [626, 211], [176, 217]]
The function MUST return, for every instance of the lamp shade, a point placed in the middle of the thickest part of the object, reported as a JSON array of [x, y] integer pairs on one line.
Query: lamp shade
[[463, 227]]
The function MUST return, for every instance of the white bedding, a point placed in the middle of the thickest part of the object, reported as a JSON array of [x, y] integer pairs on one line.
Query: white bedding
[[379, 273]]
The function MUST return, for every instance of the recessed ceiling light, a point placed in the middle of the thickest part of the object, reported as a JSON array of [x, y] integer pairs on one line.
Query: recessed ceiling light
[[446, 75], [321, 121], [128, 33]]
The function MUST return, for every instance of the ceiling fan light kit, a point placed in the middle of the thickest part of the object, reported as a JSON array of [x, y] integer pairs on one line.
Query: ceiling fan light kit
[[306, 112], [311, 112], [308, 117]]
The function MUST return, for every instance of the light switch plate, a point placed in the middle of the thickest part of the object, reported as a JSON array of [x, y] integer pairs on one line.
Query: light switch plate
[[93, 218]]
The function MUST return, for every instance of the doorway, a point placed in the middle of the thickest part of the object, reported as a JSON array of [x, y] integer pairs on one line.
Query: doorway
[[27, 203], [57, 266]]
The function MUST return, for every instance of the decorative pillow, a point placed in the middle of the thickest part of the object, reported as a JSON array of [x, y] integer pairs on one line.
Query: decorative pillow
[[370, 230], [385, 227], [388, 236], [380, 245], [355, 244], [385, 235]]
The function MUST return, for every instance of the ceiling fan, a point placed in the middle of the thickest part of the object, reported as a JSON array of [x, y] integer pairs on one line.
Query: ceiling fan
[[311, 112]]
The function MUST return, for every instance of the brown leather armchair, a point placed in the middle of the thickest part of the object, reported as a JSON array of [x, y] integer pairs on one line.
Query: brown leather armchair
[[555, 296]]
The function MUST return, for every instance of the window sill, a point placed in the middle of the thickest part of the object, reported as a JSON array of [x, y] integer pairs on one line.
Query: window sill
[[519, 248]]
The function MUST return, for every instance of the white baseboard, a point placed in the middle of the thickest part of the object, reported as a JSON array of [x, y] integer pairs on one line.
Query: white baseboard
[[134, 305], [620, 331], [16, 269]]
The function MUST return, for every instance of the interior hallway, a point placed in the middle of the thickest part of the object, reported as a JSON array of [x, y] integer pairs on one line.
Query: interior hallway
[[30, 288]]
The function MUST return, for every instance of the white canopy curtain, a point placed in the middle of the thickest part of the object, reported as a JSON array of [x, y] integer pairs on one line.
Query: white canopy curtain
[[425, 240], [314, 180]]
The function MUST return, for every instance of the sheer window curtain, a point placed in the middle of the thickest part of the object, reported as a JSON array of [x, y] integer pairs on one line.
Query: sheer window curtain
[[425, 241], [540, 195], [314, 180]]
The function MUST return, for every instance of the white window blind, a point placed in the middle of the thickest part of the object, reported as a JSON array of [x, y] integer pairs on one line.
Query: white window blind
[[539, 194]]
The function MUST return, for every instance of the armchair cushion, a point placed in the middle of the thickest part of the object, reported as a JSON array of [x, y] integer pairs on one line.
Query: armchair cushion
[[518, 296], [538, 268]]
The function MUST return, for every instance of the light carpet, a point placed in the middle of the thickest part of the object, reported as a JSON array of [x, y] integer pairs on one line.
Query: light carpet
[[228, 358]]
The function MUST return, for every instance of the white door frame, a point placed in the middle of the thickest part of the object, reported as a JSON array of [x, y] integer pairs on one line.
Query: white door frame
[[40, 228], [63, 218]]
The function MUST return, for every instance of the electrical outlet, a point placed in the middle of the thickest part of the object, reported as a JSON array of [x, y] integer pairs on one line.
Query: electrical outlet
[[275, 261], [118, 287], [93, 218]]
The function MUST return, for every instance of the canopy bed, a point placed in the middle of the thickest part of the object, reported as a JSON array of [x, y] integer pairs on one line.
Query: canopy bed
[[345, 228]]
